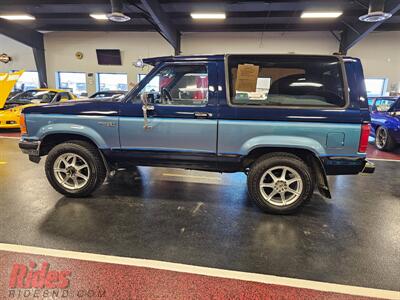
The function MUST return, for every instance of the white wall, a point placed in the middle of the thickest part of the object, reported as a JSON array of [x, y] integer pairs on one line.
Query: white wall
[[379, 51], [257, 42], [62, 46], [380, 54], [22, 56]]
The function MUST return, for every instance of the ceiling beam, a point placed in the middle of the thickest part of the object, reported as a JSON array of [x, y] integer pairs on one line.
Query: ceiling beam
[[358, 30], [162, 20], [22, 34], [30, 38], [40, 60]]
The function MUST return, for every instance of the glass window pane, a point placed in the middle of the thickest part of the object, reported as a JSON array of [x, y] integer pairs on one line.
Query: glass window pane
[[375, 86], [178, 85], [286, 81], [74, 82], [29, 80], [141, 77], [383, 104], [113, 82]]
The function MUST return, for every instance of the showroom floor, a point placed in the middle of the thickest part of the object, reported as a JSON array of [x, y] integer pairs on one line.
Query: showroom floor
[[206, 219]]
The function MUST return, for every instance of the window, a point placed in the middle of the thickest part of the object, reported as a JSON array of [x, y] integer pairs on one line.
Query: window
[[375, 86], [383, 105], [35, 96], [73, 82], [29, 80], [112, 82], [280, 80], [178, 85], [63, 97]]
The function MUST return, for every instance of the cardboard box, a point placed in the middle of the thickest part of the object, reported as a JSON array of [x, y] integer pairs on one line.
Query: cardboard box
[[246, 79]]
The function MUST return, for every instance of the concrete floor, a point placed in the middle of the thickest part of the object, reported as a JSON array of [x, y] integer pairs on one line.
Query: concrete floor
[[207, 219]]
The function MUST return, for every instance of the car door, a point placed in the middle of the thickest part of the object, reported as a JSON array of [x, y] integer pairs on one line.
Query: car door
[[181, 123]]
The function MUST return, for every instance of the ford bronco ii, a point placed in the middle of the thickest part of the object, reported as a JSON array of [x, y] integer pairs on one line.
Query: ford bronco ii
[[287, 121]]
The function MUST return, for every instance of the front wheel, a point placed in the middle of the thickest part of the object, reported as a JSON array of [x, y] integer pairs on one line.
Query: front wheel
[[280, 182], [75, 168], [383, 139]]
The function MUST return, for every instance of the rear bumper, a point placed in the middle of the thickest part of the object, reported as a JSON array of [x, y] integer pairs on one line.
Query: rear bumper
[[369, 167], [347, 165]]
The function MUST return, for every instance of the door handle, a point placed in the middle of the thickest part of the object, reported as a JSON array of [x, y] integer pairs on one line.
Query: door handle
[[148, 107], [202, 115]]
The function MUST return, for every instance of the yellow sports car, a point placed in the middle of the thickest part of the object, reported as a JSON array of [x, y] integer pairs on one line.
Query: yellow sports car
[[10, 113]]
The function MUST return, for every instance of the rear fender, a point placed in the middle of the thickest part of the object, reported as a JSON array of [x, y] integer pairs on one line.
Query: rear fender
[[274, 141]]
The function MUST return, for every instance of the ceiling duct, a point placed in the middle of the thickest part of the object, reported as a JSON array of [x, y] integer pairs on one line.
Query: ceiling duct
[[116, 12], [376, 12]]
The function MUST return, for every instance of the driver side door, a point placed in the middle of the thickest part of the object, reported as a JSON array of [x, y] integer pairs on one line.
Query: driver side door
[[181, 117]]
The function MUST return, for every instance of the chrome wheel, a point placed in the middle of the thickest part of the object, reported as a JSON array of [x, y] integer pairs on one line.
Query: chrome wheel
[[381, 138], [281, 186], [71, 171]]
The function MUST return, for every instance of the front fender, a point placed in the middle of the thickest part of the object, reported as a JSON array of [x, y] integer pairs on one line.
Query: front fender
[[284, 142], [67, 128]]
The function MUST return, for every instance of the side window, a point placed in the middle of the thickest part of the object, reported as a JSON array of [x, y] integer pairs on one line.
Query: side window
[[383, 105], [65, 96], [178, 85], [297, 81]]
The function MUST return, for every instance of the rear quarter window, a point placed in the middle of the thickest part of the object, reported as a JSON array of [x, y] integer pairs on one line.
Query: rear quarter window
[[286, 80]]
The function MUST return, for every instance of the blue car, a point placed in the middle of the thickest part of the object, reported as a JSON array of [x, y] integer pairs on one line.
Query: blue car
[[287, 121], [385, 122]]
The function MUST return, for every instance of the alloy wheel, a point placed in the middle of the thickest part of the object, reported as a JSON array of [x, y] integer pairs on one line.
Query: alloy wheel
[[281, 185], [71, 171]]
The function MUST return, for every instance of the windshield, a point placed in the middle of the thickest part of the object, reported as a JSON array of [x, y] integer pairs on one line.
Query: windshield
[[28, 96], [106, 95], [383, 105]]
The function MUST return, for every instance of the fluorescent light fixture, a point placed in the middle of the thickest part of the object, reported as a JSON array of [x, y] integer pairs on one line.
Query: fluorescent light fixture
[[99, 16], [313, 84], [17, 17], [208, 16], [320, 14]]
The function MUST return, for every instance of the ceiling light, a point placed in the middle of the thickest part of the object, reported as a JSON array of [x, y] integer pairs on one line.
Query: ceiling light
[[376, 12], [219, 16], [118, 17], [17, 17], [316, 14], [376, 16], [99, 16]]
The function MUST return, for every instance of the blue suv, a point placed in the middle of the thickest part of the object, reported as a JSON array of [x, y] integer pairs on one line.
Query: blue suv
[[287, 121]]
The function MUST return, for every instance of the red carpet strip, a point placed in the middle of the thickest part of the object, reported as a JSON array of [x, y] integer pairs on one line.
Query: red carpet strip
[[30, 276]]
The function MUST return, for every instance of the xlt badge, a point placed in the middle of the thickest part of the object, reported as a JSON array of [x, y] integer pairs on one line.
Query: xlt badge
[[108, 124]]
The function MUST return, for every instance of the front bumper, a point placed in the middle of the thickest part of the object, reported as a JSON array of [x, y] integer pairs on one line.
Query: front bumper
[[32, 148]]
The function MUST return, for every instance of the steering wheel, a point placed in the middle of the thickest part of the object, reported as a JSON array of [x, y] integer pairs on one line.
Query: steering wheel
[[165, 92]]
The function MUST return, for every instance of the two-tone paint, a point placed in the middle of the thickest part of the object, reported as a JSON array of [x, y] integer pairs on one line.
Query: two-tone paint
[[176, 136]]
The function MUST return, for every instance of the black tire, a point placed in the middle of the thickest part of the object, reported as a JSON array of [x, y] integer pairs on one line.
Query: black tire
[[268, 161], [90, 154], [388, 144]]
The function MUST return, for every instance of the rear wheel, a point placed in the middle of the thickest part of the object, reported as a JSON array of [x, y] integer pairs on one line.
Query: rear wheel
[[75, 168], [280, 182], [383, 139]]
